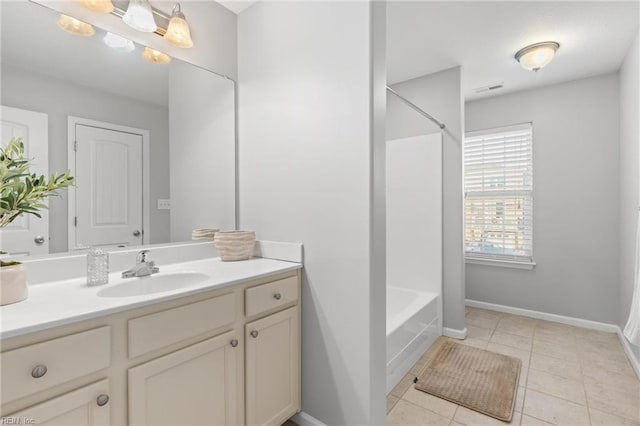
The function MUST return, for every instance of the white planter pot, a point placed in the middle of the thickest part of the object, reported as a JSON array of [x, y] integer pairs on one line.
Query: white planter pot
[[13, 284]]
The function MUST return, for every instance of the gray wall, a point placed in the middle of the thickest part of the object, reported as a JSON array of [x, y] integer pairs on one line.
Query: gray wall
[[309, 173], [202, 151], [440, 95], [629, 177], [576, 194], [59, 99]]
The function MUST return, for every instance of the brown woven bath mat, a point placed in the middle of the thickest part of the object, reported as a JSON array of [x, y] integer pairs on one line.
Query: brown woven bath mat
[[480, 380]]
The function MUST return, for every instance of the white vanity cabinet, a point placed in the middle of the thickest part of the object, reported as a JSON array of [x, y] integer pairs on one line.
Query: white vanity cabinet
[[192, 360]]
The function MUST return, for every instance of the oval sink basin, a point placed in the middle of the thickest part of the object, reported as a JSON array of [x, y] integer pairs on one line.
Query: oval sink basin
[[153, 284]]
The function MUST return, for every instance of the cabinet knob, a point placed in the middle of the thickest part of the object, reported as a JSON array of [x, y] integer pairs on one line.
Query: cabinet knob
[[38, 371], [234, 343], [254, 333], [102, 400], [277, 296]]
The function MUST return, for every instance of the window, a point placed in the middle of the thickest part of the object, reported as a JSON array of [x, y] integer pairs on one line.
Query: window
[[498, 194]]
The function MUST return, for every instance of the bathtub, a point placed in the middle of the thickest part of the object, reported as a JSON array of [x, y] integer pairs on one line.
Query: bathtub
[[413, 324]]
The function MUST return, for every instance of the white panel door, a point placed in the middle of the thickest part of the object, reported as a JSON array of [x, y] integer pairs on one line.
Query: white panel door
[[108, 187], [27, 234]]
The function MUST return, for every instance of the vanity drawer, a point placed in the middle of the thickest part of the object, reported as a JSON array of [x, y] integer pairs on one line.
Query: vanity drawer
[[34, 368], [268, 296], [165, 328]]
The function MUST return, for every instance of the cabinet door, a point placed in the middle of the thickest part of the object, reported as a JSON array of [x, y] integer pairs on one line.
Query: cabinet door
[[273, 368], [197, 385], [88, 405]]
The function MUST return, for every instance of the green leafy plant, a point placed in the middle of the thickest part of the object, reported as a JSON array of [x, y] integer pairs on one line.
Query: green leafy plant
[[22, 192]]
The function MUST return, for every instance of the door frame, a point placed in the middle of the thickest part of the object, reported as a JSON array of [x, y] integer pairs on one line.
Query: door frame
[[71, 164]]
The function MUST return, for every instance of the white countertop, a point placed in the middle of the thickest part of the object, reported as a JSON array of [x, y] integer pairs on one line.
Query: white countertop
[[64, 302]]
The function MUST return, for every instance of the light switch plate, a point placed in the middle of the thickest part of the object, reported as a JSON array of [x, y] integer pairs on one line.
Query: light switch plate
[[164, 204]]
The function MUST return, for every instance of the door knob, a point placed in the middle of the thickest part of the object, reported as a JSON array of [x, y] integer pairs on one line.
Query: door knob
[[102, 400], [39, 240], [234, 343], [136, 233], [254, 333], [38, 371]]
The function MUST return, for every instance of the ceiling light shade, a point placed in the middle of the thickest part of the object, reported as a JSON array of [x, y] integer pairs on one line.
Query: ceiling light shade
[[155, 56], [178, 32], [100, 6], [118, 43], [139, 16], [74, 26], [536, 56]]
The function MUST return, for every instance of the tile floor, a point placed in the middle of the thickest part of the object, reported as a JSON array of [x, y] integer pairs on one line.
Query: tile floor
[[570, 376]]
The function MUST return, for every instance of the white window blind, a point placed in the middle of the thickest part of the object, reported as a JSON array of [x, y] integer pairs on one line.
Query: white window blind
[[498, 186]]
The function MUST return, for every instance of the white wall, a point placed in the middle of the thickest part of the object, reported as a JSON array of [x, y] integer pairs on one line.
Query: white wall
[[310, 172], [575, 176], [440, 95], [629, 176], [59, 99], [213, 30], [201, 121], [414, 213]]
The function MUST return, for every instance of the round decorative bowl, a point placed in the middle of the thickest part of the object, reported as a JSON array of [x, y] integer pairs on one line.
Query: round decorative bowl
[[234, 245]]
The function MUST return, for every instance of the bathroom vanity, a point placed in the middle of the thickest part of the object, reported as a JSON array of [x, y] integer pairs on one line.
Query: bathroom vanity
[[223, 351]]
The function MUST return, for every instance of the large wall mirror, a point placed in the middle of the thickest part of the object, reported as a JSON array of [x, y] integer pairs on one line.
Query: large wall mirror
[[151, 145]]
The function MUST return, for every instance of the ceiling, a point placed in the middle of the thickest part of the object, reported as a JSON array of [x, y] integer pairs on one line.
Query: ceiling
[[236, 6], [424, 37]]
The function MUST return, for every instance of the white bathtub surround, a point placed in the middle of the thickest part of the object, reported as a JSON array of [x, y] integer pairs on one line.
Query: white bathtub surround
[[632, 329], [576, 322], [413, 324]]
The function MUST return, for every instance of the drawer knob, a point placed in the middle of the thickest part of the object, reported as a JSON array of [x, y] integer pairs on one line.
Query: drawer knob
[[277, 296], [102, 400], [38, 371], [234, 343], [254, 333]]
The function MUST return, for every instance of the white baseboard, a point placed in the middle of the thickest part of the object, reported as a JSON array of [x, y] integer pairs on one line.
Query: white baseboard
[[455, 333], [304, 419], [635, 362], [577, 322]]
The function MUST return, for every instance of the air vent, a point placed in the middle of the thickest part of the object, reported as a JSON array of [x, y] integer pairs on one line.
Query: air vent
[[489, 88]]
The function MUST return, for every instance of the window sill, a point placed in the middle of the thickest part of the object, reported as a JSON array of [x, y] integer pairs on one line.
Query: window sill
[[501, 263]]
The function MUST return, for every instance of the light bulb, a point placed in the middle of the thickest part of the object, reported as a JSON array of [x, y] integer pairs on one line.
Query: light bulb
[[75, 26], [118, 43], [139, 16], [537, 56], [178, 32], [155, 56], [100, 6]]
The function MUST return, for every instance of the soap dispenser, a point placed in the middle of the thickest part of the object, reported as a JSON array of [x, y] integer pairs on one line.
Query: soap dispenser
[[97, 267]]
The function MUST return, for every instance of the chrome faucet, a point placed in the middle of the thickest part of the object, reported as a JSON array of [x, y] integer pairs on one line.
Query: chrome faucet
[[143, 267]]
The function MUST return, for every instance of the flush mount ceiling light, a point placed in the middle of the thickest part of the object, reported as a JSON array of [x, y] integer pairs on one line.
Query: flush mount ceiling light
[[74, 26], [536, 56], [100, 6], [178, 31], [139, 16], [118, 43], [155, 56]]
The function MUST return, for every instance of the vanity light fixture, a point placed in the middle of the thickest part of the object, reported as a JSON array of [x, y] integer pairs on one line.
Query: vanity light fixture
[[100, 6], [155, 56], [178, 32], [139, 16], [118, 43], [75, 26], [536, 56]]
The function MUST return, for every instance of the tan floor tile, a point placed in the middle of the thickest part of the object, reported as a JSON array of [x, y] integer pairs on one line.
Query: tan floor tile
[[615, 366], [573, 390], [391, 402], [614, 401], [486, 313], [476, 343], [599, 378], [519, 405], [480, 333], [559, 367], [508, 350], [522, 380], [507, 325], [530, 421], [473, 418], [556, 327], [405, 414], [554, 410], [483, 322], [555, 336], [454, 423], [586, 334], [599, 418], [513, 340], [402, 386], [554, 350], [432, 403]]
